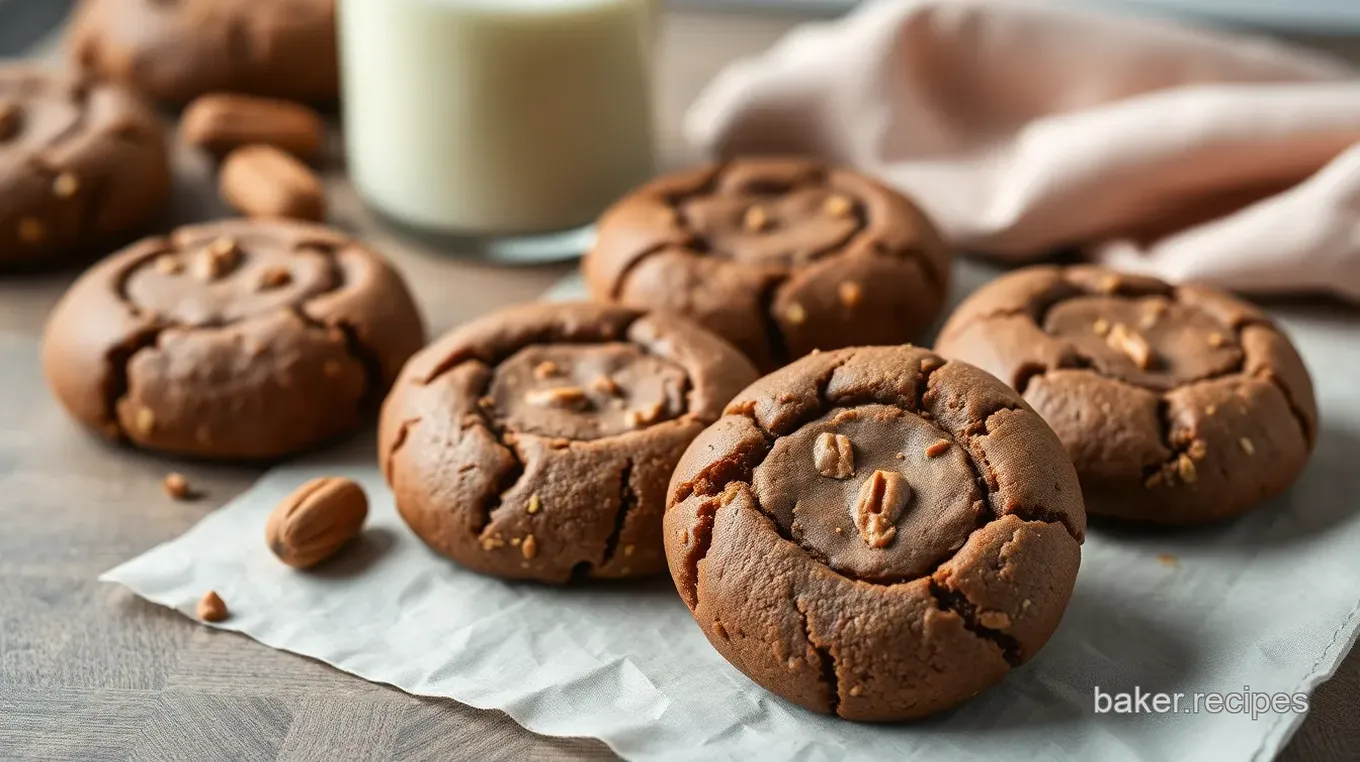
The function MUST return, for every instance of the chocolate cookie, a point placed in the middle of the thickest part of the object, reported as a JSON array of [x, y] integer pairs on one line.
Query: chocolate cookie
[[536, 442], [231, 340], [876, 533], [1179, 405], [175, 50], [778, 256], [80, 163]]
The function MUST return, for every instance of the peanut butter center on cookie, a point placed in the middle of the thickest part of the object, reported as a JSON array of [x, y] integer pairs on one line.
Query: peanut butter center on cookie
[[586, 391], [876, 492], [1150, 341]]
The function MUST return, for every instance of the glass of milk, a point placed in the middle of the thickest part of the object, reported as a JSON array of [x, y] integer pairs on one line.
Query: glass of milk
[[513, 123]]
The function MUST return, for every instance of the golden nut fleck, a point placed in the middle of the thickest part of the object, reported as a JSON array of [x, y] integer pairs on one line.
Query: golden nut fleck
[[221, 257], [515, 541], [1185, 467], [176, 486], [1198, 449], [1247, 446], [994, 620], [1101, 327], [145, 420], [65, 185], [882, 499], [856, 690], [529, 548], [939, 448], [1217, 340], [850, 293], [211, 607], [169, 264], [535, 505], [1109, 283], [837, 205], [644, 416], [628, 550], [31, 230], [605, 385], [275, 277], [833, 455], [756, 219], [1210, 410], [795, 314], [1132, 345], [316, 520], [561, 397], [547, 369]]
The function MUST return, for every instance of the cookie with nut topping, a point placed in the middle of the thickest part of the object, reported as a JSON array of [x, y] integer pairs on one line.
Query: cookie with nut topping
[[1178, 404], [536, 442], [876, 533], [235, 340], [80, 165], [779, 256]]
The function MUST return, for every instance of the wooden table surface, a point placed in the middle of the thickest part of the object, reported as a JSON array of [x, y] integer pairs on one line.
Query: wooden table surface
[[88, 671]]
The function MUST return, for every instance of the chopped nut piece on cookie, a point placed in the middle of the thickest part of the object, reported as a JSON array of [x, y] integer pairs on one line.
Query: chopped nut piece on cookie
[[756, 219], [1247, 446], [65, 185], [850, 293], [834, 456], [838, 206], [1133, 346], [529, 548], [562, 397], [881, 501], [939, 448], [547, 369]]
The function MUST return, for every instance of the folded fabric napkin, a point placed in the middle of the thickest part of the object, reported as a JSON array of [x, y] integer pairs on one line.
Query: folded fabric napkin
[[1025, 127]]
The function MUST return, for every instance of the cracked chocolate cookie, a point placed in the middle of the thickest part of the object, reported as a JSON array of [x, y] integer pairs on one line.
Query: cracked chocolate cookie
[[80, 163], [876, 533], [778, 256], [235, 340], [1178, 405], [536, 442], [176, 50]]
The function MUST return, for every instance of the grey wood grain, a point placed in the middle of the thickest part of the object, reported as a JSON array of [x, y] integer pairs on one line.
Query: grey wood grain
[[88, 671]]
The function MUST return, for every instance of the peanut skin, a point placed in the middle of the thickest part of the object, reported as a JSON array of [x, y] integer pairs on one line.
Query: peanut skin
[[262, 181]]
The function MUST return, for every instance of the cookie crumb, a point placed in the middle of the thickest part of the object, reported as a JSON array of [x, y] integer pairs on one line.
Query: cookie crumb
[[994, 620], [65, 185], [1185, 467], [31, 230], [756, 219], [939, 448], [535, 504], [1247, 446], [1168, 559], [1101, 327], [176, 486], [833, 455], [211, 607], [850, 293], [1217, 340], [275, 277], [546, 369], [169, 264], [837, 205], [561, 397], [529, 548], [856, 690], [795, 314], [605, 385]]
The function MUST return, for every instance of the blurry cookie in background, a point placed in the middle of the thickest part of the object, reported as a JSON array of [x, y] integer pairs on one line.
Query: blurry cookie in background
[[80, 164], [175, 50], [779, 256], [234, 340], [1178, 404]]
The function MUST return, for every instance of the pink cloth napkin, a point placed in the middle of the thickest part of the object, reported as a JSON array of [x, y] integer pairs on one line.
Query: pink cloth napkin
[[1026, 127]]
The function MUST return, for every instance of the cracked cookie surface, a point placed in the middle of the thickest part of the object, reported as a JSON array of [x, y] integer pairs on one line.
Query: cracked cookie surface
[[536, 442], [80, 163], [176, 50], [875, 532], [236, 340], [779, 256], [1178, 405]]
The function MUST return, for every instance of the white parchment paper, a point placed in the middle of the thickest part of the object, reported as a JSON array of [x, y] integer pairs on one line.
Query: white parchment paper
[[1270, 603]]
